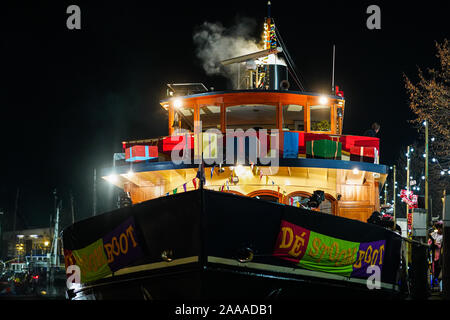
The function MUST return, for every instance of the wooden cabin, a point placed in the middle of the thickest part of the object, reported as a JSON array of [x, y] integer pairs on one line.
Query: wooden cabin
[[351, 182]]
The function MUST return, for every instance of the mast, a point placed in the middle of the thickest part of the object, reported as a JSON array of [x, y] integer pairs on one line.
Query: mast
[[94, 195], [16, 208], [55, 255], [71, 205], [332, 76]]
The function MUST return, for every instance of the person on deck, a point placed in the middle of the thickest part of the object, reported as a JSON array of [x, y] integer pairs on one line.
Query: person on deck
[[372, 132]]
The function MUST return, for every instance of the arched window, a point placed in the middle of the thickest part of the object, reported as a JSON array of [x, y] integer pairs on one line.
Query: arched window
[[327, 206], [234, 192], [267, 195], [297, 197]]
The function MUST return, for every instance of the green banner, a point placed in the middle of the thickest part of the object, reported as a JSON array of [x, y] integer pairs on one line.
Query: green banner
[[329, 254], [92, 261]]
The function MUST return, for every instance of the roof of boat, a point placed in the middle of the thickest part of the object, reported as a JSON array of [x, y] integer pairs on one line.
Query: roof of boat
[[211, 93]]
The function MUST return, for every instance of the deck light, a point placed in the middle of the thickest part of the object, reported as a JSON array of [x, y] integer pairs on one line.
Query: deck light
[[112, 178], [355, 171], [177, 103], [323, 100]]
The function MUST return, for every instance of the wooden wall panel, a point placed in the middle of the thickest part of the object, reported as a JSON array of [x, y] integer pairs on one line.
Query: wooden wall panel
[[360, 213]]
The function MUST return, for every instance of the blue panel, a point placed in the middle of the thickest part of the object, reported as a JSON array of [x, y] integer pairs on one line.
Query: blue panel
[[305, 163], [290, 145]]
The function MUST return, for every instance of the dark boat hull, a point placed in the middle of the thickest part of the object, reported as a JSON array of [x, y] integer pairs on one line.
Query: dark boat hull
[[211, 245]]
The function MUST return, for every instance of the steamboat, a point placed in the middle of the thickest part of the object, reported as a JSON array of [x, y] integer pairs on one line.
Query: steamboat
[[255, 192]]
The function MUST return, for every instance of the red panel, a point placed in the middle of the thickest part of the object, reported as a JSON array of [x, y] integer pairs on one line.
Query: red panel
[[177, 143], [139, 151]]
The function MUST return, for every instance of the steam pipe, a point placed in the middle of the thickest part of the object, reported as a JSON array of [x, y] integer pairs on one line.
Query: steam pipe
[[252, 56]]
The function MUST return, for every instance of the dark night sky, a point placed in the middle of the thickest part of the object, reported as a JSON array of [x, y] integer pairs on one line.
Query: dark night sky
[[69, 97]]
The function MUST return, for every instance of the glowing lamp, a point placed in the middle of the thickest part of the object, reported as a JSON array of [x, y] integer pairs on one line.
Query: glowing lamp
[[112, 178], [177, 103], [323, 100]]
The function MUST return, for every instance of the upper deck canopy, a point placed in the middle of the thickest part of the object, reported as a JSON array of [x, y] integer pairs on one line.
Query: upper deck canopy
[[243, 109]]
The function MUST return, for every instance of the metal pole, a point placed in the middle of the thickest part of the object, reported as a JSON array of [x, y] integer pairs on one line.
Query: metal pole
[[394, 196], [94, 196], [55, 254], [426, 176], [15, 209], [407, 188], [71, 204], [385, 193], [332, 77], [445, 247]]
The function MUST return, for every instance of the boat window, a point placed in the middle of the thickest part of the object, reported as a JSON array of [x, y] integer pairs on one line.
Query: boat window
[[256, 116], [210, 117], [293, 117], [186, 116], [297, 200], [320, 118], [326, 207], [267, 198]]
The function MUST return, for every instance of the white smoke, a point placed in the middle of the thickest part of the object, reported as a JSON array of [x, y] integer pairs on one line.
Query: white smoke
[[215, 43]]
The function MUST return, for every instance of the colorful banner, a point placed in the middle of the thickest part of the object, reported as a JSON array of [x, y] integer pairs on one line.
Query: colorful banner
[[114, 251], [315, 251], [121, 245]]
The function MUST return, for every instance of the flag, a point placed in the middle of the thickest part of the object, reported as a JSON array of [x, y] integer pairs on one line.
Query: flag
[[228, 187], [212, 170], [184, 187], [221, 189], [194, 183], [291, 201], [167, 194], [175, 190]]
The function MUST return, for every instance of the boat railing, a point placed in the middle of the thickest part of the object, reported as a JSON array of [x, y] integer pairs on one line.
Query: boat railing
[[289, 145]]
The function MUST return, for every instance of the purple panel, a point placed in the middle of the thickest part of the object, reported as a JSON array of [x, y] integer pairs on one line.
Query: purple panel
[[122, 245], [369, 253]]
